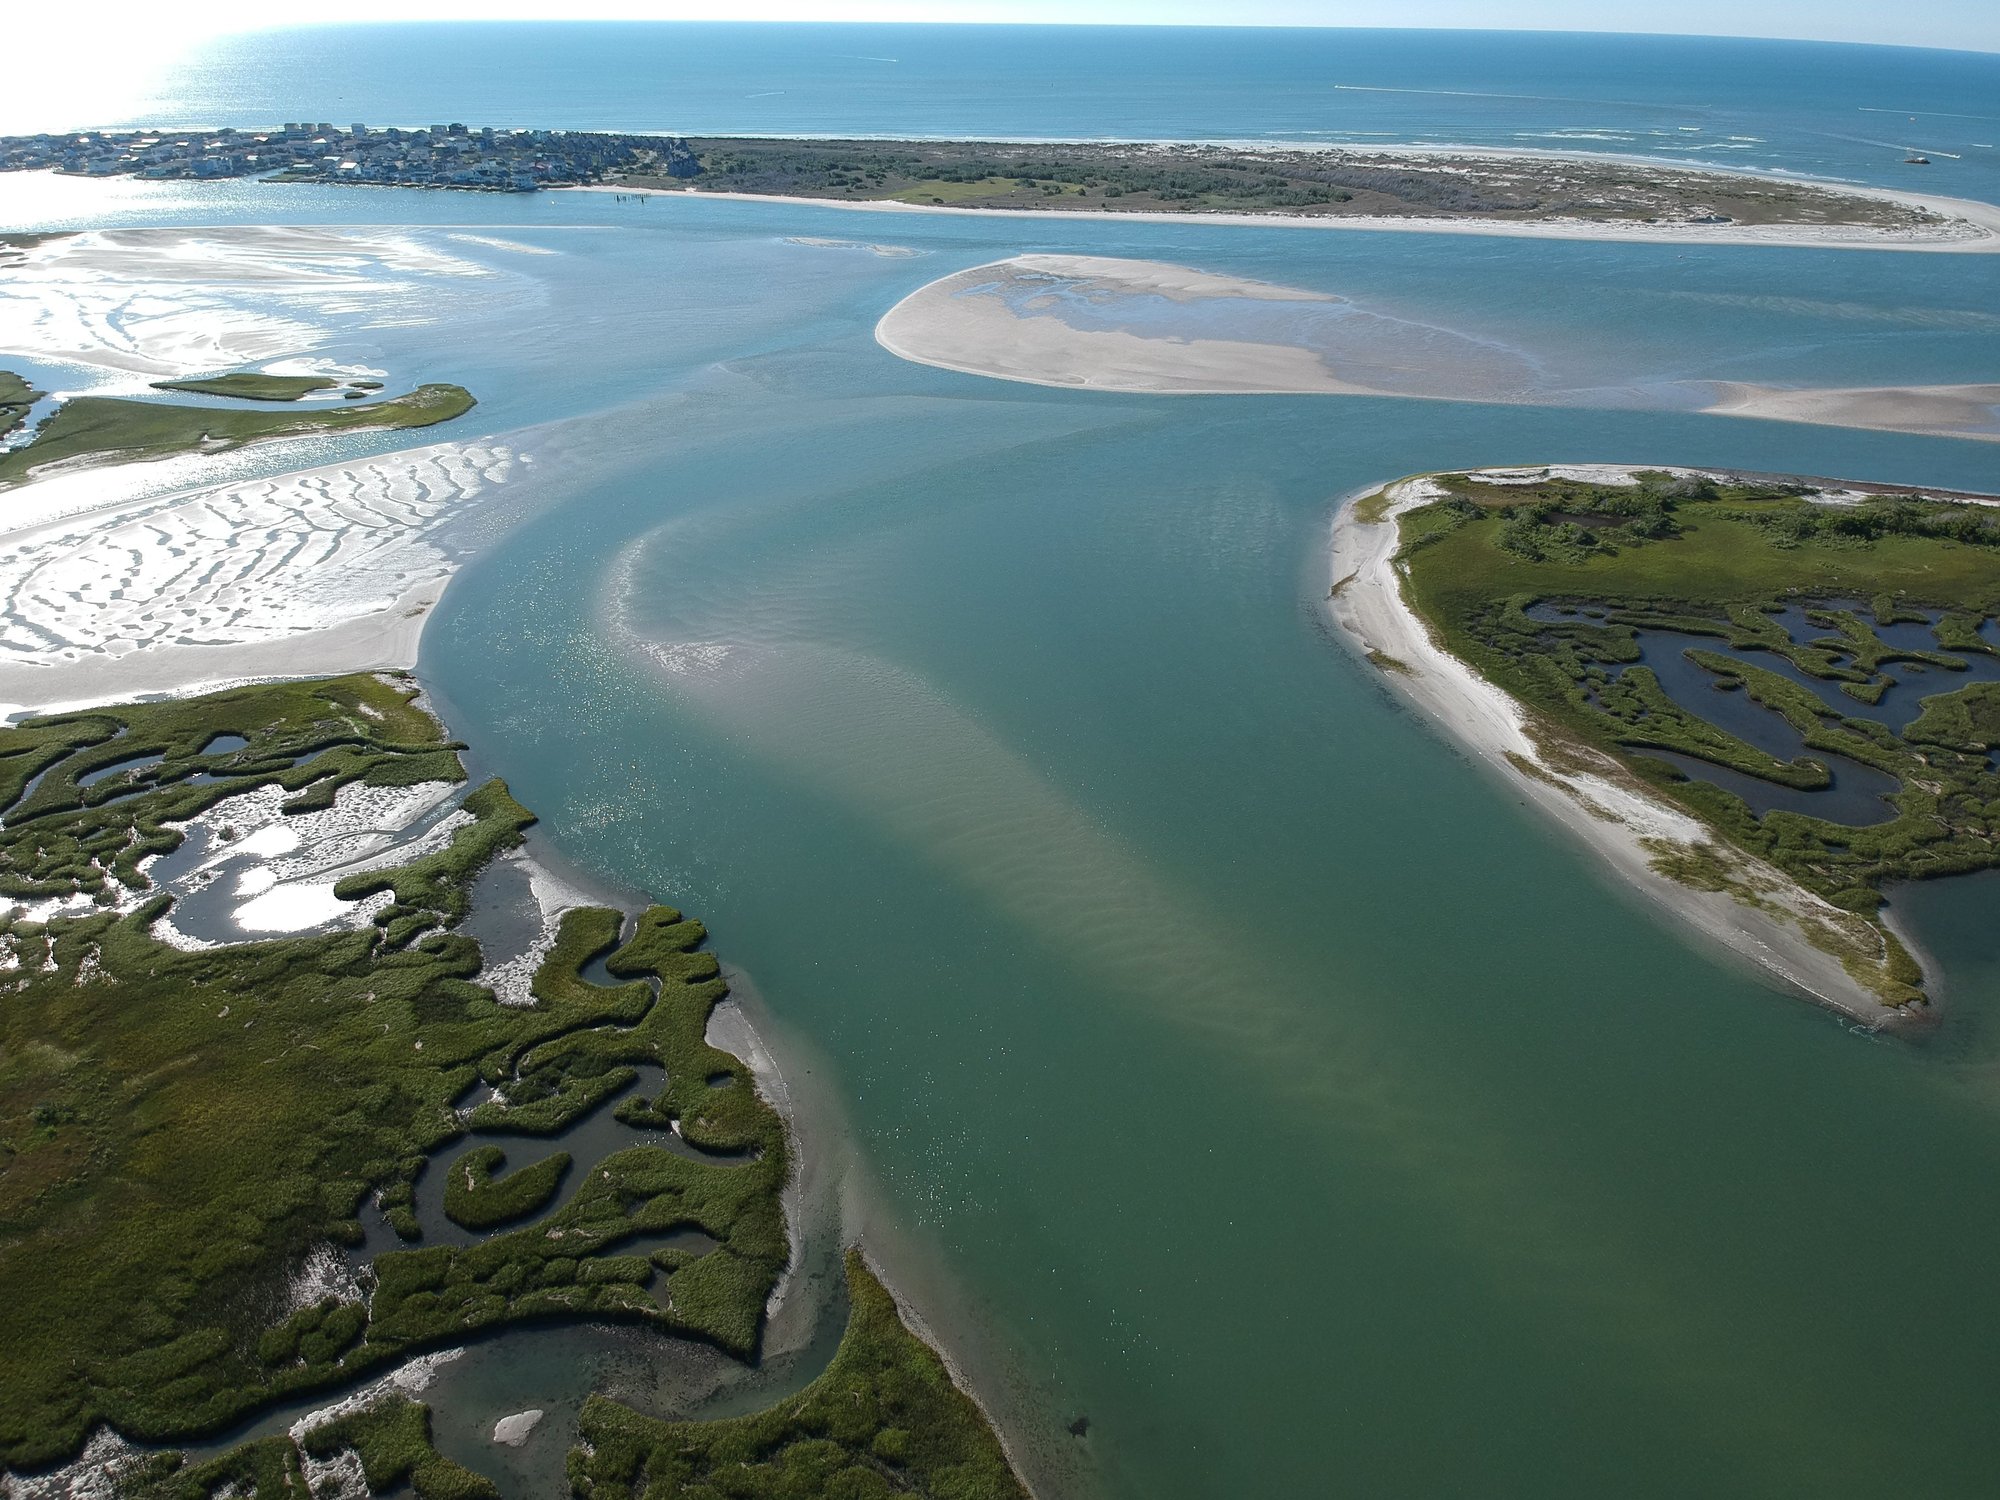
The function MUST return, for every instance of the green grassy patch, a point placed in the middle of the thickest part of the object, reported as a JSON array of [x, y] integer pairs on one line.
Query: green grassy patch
[[17, 398], [252, 386], [477, 1197], [107, 429], [391, 1437], [883, 1420], [182, 1132]]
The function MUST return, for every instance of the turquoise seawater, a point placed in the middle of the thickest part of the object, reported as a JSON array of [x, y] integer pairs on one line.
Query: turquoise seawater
[[1240, 1066]]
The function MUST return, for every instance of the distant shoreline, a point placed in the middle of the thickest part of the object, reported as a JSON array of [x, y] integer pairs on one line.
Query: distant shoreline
[[1812, 237]]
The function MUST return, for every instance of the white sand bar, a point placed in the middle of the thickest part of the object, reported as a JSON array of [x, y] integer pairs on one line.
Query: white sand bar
[[1617, 816], [1971, 411], [1146, 327], [154, 302]]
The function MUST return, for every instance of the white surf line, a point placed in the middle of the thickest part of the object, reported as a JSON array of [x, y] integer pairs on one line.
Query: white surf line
[[323, 570], [1613, 813]]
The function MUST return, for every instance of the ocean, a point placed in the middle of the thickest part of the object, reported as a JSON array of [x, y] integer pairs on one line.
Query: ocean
[[1232, 1061]]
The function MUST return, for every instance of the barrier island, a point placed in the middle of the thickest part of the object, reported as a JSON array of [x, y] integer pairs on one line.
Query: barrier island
[[1770, 698], [1331, 183], [202, 1133]]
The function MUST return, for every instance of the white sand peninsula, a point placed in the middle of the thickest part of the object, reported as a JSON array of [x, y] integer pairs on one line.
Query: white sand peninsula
[[1147, 327]]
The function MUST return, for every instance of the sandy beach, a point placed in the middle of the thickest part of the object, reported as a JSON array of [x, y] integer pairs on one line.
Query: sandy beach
[[1612, 813]]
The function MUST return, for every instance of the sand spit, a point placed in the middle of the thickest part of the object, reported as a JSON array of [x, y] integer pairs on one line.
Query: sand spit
[[1965, 411], [327, 570], [1615, 815], [1000, 320], [983, 336], [1973, 227], [1095, 323]]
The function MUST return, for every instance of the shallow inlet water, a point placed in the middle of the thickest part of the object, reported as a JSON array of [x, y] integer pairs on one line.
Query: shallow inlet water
[[1243, 1068]]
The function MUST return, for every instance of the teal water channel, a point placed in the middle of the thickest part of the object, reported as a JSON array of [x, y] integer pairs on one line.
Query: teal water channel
[[1271, 1086], [1235, 1063]]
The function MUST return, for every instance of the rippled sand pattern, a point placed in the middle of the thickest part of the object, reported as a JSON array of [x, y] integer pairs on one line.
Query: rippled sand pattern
[[255, 561]]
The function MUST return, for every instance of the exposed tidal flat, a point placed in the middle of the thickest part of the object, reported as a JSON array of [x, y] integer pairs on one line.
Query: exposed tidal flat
[[1279, 1098]]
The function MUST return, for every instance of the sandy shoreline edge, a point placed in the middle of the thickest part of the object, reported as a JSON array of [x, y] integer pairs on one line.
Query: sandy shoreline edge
[[1619, 819]]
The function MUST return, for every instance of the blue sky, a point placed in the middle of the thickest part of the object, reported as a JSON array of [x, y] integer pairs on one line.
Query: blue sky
[[1972, 24]]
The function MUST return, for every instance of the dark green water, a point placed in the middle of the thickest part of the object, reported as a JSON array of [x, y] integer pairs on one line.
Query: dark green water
[[1268, 1083]]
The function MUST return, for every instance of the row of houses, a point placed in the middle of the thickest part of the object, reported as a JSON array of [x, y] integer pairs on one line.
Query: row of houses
[[451, 156]]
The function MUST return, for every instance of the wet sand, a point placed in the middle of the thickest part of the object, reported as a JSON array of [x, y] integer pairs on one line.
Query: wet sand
[[1963, 411], [326, 570]]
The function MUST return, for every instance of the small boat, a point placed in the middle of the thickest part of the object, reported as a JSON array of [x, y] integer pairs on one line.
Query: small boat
[[1916, 161]]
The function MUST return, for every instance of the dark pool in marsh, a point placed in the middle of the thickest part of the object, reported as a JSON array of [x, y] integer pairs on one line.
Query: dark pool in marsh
[[1856, 794]]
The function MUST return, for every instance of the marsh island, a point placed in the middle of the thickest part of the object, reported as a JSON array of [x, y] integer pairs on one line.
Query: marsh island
[[90, 430], [1777, 692]]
